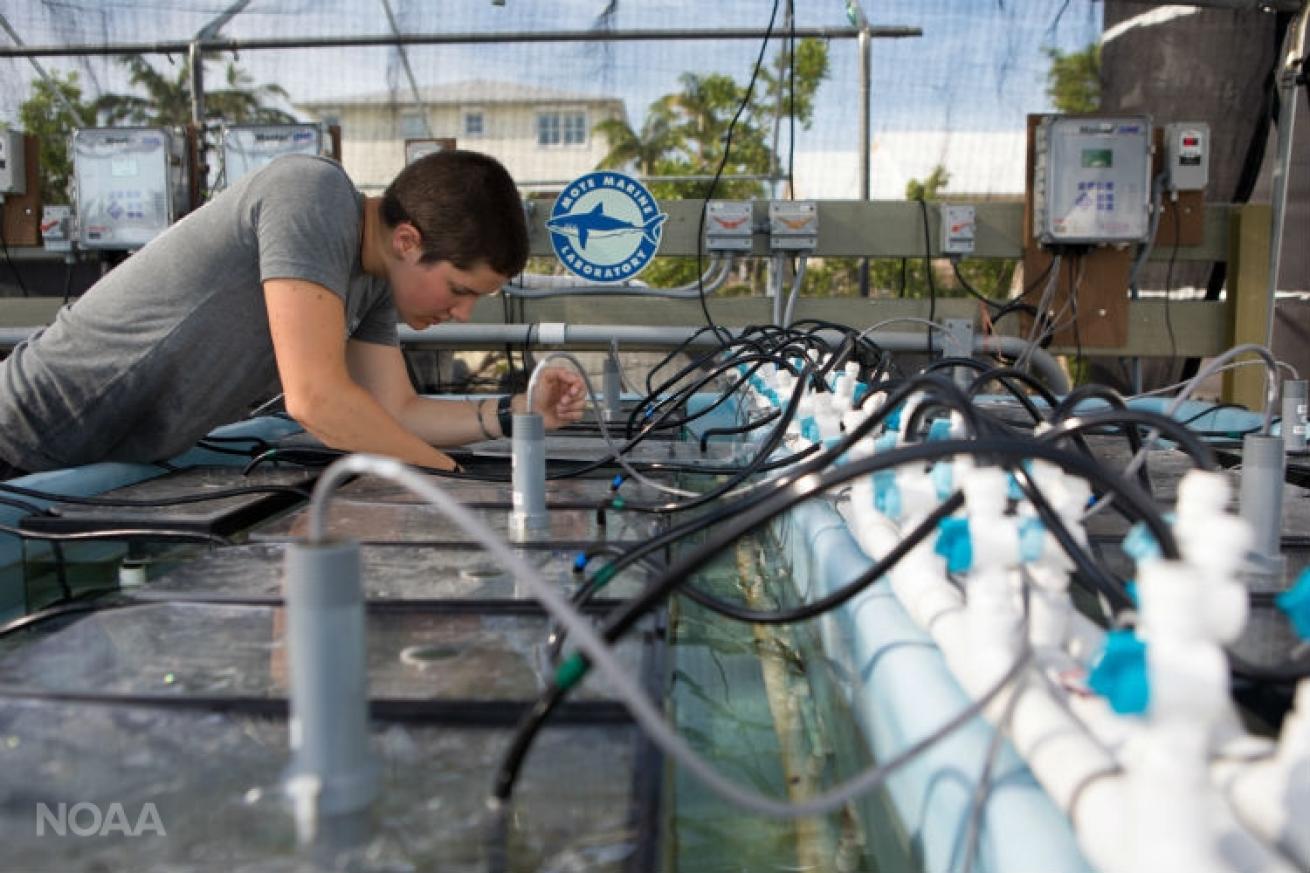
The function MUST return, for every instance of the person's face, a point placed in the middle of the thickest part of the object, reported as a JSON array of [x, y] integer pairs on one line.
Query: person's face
[[428, 294]]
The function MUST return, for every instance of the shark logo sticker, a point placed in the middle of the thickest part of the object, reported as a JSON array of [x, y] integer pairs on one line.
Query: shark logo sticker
[[605, 226]]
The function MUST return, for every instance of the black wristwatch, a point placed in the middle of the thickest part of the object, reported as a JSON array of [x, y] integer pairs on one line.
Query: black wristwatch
[[504, 416]]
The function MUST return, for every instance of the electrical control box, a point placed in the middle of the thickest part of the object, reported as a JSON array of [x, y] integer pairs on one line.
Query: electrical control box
[[959, 224], [420, 148], [130, 184], [793, 225], [57, 229], [13, 167], [728, 226], [1092, 180], [1187, 155], [248, 147]]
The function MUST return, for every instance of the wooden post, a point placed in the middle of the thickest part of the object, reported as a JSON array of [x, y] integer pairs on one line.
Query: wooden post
[[1248, 289]]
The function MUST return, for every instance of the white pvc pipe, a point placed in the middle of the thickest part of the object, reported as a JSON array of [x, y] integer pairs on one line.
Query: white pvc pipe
[[1081, 774]]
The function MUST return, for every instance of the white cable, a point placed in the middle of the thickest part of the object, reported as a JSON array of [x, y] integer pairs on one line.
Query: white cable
[[1271, 398], [604, 427], [1230, 366], [790, 309], [902, 319], [584, 634], [1043, 303]]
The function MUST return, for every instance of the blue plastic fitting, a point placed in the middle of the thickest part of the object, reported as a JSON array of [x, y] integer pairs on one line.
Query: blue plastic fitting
[[1119, 674], [887, 494], [1140, 544], [954, 545], [1032, 539], [893, 421], [1295, 603], [943, 478]]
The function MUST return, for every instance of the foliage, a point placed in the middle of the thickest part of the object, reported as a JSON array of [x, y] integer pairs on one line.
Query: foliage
[[51, 114], [686, 134], [1074, 80], [167, 101]]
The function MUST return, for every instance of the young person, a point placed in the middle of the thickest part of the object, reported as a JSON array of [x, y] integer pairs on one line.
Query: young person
[[290, 280]]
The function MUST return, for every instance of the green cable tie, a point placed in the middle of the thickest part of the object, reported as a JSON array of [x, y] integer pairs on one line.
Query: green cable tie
[[617, 503], [570, 671]]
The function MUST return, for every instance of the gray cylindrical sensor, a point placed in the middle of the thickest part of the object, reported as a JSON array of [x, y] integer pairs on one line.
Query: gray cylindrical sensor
[[613, 388], [325, 646], [529, 462], [1262, 494], [1294, 415]]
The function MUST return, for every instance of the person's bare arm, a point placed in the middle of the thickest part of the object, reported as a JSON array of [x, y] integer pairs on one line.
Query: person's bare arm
[[381, 370], [308, 326]]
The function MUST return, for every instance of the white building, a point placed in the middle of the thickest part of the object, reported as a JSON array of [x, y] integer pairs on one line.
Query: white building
[[978, 163], [542, 135]]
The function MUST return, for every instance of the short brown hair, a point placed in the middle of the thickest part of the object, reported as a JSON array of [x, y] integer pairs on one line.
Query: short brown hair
[[465, 206]]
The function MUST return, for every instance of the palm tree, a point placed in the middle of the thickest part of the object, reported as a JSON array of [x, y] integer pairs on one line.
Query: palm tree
[[167, 102], [644, 150]]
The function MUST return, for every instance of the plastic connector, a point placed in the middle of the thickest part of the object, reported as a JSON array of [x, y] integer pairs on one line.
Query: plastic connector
[[1119, 674], [603, 576], [943, 479], [570, 671], [1295, 604], [887, 494], [954, 545], [893, 421], [1140, 545], [939, 430], [1032, 539]]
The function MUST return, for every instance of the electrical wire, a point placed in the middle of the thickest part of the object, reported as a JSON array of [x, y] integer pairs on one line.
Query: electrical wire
[[927, 268], [719, 333]]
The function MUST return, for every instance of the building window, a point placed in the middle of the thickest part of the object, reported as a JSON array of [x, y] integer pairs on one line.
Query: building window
[[473, 123], [412, 126], [562, 128], [575, 128], [548, 129]]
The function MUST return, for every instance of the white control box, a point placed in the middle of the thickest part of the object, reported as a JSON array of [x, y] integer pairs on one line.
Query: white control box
[[1092, 180], [1187, 155], [248, 147], [421, 148], [13, 164], [57, 227], [959, 226], [130, 185]]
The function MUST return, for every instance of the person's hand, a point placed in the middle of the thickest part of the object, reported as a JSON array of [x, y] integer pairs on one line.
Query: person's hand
[[560, 397]]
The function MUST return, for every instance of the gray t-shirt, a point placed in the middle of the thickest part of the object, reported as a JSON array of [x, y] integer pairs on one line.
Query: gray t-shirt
[[175, 340]]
